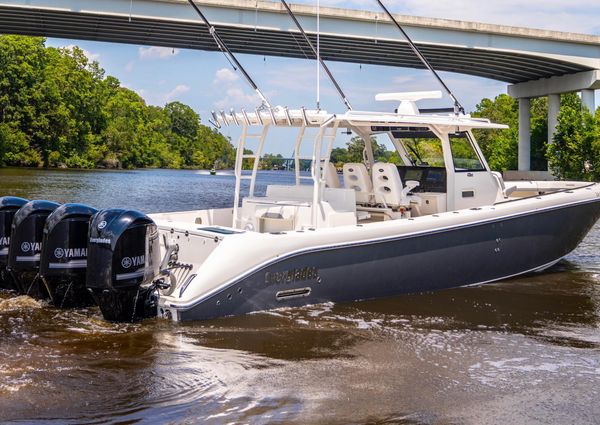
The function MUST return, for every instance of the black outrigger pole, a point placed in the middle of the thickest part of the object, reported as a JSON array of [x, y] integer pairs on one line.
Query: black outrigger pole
[[229, 55], [458, 108], [318, 56]]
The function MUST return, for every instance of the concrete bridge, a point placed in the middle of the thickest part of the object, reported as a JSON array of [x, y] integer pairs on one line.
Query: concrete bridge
[[534, 62]]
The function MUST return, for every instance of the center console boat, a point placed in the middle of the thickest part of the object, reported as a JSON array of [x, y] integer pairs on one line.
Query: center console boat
[[440, 219]]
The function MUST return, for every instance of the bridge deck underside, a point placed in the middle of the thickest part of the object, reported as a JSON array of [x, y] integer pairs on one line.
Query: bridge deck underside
[[503, 66]]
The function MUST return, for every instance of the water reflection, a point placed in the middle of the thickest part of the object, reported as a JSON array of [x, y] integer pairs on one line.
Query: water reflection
[[520, 351]]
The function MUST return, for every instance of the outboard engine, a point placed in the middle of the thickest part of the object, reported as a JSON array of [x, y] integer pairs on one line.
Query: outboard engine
[[123, 260], [26, 246], [9, 205], [63, 262]]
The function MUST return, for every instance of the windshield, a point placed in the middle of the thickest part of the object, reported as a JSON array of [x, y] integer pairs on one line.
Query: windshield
[[464, 156], [423, 146]]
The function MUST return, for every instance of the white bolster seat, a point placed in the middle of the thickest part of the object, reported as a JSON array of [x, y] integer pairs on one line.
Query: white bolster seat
[[388, 187], [505, 191], [331, 178], [356, 177]]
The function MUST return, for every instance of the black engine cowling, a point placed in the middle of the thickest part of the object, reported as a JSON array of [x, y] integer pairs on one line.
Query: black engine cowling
[[63, 262], [123, 260], [9, 205], [26, 246]]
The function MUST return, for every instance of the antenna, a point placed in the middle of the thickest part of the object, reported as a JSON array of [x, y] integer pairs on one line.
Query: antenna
[[458, 108], [318, 56], [229, 55]]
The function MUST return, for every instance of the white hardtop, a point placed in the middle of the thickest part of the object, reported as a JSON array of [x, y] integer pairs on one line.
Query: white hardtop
[[281, 116], [407, 114]]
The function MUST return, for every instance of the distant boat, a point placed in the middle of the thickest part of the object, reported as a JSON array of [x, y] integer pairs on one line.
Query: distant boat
[[213, 170]]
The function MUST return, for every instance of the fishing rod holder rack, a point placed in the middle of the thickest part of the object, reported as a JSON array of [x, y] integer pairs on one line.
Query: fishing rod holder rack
[[277, 116]]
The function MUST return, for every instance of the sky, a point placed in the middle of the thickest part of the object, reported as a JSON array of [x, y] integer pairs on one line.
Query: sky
[[205, 81]]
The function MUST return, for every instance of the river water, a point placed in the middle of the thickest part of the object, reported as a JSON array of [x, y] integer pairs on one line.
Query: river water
[[521, 351]]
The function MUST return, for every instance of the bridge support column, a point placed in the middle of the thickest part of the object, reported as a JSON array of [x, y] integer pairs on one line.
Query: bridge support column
[[588, 99], [524, 134], [553, 110], [586, 82]]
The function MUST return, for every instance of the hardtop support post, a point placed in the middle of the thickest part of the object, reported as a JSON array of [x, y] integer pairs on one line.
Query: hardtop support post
[[315, 173], [366, 136], [239, 160], [299, 139], [257, 155]]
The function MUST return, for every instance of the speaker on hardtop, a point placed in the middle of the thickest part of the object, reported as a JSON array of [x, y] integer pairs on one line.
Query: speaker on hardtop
[[9, 205], [123, 261], [25, 248], [63, 261]]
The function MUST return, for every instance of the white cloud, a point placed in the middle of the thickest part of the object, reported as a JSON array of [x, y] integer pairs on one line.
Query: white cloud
[[129, 66], [178, 90], [89, 55], [227, 82], [155, 52], [159, 98], [225, 76], [297, 76], [236, 98], [403, 79]]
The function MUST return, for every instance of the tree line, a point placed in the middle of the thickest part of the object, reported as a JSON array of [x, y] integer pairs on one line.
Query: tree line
[[574, 152], [59, 109]]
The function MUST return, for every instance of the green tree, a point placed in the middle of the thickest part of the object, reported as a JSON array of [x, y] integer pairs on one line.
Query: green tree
[[58, 109], [214, 147], [184, 126], [356, 146], [271, 161], [22, 63], [500, 147], [575, 151]]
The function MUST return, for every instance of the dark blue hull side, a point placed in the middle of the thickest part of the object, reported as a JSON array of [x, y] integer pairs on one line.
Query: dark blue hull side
[[465, 255]]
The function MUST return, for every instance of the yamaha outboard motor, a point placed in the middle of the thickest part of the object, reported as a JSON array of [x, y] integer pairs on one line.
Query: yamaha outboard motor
[[26, 246], [9, 205], [63, 263], [123, 260]]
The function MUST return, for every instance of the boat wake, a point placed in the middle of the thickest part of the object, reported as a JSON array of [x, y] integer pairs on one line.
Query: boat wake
[[19, 303]]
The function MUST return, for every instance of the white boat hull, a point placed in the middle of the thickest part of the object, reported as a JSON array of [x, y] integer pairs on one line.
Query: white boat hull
[[243, 272]]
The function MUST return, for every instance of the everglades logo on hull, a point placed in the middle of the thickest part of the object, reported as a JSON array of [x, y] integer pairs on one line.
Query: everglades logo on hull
[[70, 253], [31, 246], [128, 262], [100, 241], [292, 275]]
